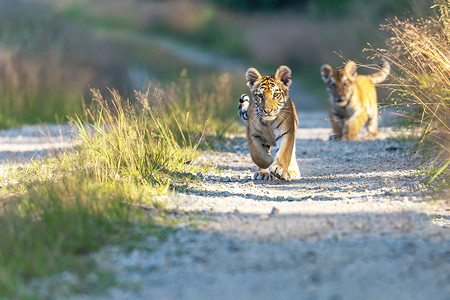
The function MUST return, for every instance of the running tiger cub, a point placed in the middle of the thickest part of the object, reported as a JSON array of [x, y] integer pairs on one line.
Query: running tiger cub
[[353, 99], [271, 121]]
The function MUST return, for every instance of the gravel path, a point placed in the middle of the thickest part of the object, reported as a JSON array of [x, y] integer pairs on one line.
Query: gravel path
[[33, 142], [358, 225]]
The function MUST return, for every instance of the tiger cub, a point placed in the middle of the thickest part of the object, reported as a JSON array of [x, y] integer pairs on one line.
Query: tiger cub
[[353, 99], [271, 122]]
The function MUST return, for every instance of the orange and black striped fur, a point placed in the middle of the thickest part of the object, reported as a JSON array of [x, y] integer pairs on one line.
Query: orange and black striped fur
[[271, 122], [353, 99]]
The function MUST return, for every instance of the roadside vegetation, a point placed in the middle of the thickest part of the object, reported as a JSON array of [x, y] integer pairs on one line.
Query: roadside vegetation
[[419, 49], [56, 211]]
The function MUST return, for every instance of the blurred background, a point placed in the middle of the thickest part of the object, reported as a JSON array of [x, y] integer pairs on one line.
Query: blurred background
[[53, 51]]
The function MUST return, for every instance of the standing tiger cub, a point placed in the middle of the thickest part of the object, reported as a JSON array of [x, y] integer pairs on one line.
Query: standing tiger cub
[[271, 122], [353, 99]]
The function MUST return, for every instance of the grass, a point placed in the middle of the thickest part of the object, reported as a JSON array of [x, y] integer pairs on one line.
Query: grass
[[136, 144], [52, 226], [418, 48], [58, 210], [207, 100], [128, 152], [18, 107], [59, 213]]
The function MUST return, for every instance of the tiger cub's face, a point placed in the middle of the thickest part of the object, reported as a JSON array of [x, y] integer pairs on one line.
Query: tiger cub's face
[[270, 93], [339, 82]]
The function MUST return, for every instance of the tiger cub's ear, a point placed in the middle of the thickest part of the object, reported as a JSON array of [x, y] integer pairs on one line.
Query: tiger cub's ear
[[325, 72], [284, 75], [252, 76], [350, 70]]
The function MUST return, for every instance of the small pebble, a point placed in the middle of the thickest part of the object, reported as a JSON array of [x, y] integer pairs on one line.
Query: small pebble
[[225, 179], [275, 211]]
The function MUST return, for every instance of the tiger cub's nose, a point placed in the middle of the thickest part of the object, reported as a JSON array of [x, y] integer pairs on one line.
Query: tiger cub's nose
[[268, 111]]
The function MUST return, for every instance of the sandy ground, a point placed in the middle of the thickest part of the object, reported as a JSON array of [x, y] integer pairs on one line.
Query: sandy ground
[[358, 225]]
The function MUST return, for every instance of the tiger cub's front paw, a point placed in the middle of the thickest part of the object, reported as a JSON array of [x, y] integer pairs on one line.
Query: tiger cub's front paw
[[263, 175], [277, 170], [244, 103]]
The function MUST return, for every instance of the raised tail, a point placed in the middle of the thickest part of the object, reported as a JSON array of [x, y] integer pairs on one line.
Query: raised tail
[[244, 103], [382, 74]]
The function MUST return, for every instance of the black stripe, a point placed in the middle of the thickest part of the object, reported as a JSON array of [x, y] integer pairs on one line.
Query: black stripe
[[258, 132], [280, 124], [281, 135]]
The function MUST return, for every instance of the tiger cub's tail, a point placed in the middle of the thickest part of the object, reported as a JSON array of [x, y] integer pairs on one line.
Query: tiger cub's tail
[[244, 103], [382, 74]]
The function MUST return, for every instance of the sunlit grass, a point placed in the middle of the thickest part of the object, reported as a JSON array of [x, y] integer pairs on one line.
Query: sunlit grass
[[419, 49], [53, 225], [132, 143]]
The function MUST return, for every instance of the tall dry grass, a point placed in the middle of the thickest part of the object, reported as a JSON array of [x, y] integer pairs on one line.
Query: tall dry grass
[[47, 64], [38, 81], [143, 144], [420, 51]]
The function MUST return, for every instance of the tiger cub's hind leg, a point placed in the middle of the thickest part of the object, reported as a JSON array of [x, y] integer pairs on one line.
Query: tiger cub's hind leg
[[372, 125], [293, 169], [336, 125], [353, 126]]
